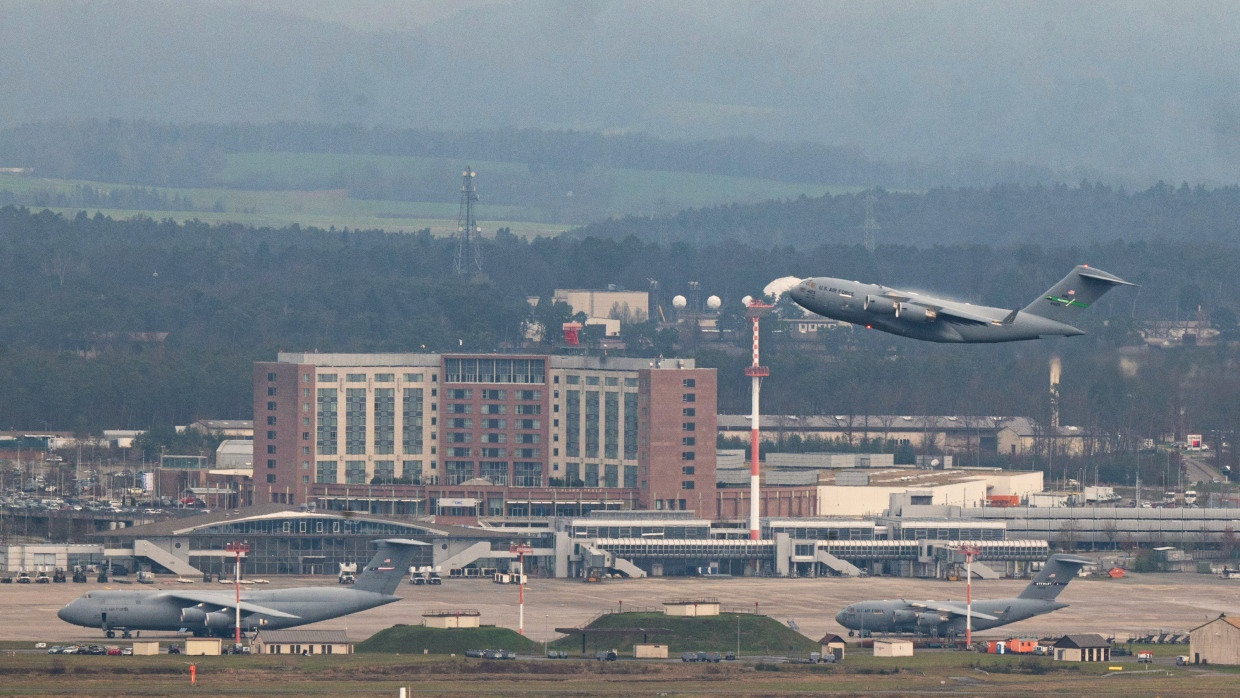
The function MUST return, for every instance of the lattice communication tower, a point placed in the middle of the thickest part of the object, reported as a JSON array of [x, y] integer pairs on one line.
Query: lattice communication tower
[[468, 254]]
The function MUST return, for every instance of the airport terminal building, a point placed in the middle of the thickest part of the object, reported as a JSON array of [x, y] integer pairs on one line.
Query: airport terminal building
[[461, 436]]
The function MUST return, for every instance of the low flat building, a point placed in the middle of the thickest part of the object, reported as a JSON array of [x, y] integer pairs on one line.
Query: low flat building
[[301, 642], [1216, 642], [1088, 647], [893, 648]]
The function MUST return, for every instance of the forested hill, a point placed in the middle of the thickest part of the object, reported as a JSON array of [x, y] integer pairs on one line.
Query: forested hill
[[1002, 215]]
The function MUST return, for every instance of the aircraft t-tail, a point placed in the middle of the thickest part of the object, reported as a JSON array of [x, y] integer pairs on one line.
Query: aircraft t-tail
[[947, 618], [214, 612], [924, 317]]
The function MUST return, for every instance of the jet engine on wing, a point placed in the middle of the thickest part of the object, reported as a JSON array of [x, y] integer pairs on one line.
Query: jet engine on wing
[[916, 313], [879, 305], [220, 619], [929, 620], [193, 615], [903, 617]]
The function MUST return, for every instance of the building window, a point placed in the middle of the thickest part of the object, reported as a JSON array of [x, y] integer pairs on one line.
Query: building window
[[355, 421], [611, 475], [385, 421], [385, 470], [688, 397], [411, 470], [327, 378], [527, 474], [572, 380], [325, 439], [271, 421], [458, 471], [688, 426], [529, 394], [495, 471], [413, 377], [688, 441], [271, 448], [494, 394], [271, 391], [591, 474], [689, 412], [611, 381], [686, 455], [271, 477], [271, 434], [355, 377], [411, 420], [271, 376], [689, 383], [686, 485], [271, 463], [325, 472], [630, 476], [630, 426], [592, 422], [355, 472], [611, 426], [271, 406], [686, 470], [385, 377]]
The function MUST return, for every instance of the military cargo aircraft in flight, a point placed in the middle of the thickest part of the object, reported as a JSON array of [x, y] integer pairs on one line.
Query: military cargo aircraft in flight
[[215, 612], [911, 314], [947, 618]]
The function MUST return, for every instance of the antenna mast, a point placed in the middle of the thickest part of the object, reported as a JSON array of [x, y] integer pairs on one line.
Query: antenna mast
[[468, 255]]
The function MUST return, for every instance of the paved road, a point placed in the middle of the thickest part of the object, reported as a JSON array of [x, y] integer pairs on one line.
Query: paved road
[[1197, 470], [1136, 604]]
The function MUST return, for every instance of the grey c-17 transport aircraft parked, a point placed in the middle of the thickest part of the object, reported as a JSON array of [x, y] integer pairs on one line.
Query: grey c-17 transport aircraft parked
[[911, 314], [214, 612], [947, 618]]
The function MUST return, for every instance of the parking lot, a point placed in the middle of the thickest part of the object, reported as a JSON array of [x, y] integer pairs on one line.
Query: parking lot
[[1137, 604]]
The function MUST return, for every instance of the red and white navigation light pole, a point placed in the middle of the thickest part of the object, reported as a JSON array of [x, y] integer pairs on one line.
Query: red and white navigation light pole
[[521, 550], [968, 551], [755, 310], [240, 549]]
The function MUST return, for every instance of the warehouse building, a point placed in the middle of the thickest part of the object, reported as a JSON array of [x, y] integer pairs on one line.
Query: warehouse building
[[1216, 642]]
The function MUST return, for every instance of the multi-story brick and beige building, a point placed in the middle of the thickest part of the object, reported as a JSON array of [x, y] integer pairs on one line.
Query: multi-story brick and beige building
[[462, 433]]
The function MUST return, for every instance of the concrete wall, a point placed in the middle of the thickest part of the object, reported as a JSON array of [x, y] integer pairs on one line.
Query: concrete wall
[[893, 648]]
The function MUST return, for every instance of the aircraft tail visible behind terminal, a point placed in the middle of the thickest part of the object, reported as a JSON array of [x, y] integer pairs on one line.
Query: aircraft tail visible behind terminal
[[1055, 575], [1074, 293], [385, 570]]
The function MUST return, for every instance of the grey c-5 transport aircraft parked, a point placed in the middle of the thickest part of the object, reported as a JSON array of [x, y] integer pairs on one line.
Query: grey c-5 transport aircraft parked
[[214, 612], [947, 618], [918, 316]]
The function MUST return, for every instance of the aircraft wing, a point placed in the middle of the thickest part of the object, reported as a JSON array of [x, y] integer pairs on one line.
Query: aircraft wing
[[217, 600], [950, 608], [954, 311]]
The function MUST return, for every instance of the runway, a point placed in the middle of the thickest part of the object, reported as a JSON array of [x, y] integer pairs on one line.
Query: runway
[[1134, 605]]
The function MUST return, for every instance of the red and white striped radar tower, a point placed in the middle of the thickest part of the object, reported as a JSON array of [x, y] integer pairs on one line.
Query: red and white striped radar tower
[[969, 551], [754, 310]]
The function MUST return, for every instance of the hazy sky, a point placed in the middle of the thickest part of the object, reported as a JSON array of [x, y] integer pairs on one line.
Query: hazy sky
[[1138, 90]]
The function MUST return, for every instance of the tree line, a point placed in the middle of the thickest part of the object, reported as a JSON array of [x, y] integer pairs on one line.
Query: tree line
[[137, 323]]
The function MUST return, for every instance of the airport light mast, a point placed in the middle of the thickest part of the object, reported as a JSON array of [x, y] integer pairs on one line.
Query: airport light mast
[[969, 551], [521, 551], [755, 310], [240, 549]]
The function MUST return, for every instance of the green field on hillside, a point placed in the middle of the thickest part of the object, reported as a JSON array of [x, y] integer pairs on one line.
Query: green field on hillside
[[404, 194]]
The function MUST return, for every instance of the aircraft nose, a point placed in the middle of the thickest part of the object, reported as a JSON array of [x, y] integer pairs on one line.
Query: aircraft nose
[[839, 617], [798, 292]]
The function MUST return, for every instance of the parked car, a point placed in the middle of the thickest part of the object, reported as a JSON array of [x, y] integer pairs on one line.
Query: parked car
[[607, 656]]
